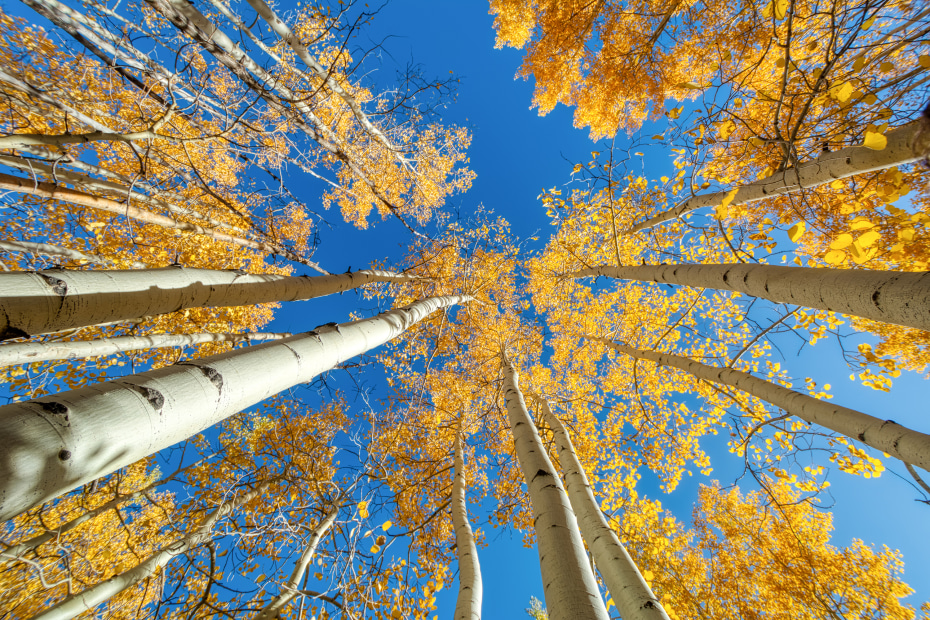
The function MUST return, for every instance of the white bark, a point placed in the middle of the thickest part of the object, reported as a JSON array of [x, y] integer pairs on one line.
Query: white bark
[[897, 297], [630, 592], [902, 148], [81, 602], [468, 604], [569, 586], [290, 589], [47, 249], [884, 435], [56, 443], [29, 352], [34, 303]]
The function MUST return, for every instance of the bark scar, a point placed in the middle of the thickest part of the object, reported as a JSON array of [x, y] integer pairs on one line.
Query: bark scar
[[155, 398]]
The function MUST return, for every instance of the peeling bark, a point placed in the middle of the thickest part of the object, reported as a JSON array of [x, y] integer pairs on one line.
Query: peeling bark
[[569, 586], [897, 297], [53, 444]]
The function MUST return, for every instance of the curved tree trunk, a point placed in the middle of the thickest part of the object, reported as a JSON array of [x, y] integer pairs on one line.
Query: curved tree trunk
[[852, 160], [53, 444], [468, 604], [47, 249], [290, 589], [883, 435], [631, 594], [568, 582], [897, 297], [33, 303], [29, 352], [81, 602]]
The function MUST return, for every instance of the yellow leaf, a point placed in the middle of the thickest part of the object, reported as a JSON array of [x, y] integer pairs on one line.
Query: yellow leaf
[[675, 112], [781, 9], [363, 509], [868, 23], [647, 575], [841, 242], [906, 234], [887, 67], [664, 179], [795, 232], [689, 85], [842, 92], [835, 257], [874, 140], [375, 549], [726, 129], [658, 137], [924, 61], [860, 223], [868, 239], [386, 526]]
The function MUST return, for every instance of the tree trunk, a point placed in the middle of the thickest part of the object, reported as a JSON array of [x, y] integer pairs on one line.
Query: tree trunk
[[290, 589], [901, 149], [56, 443], [897, 297], [569, 586], [883, 435], [29, 352], [468, 604], [79, 603], [33, 303], [47, 249], [631, 594]]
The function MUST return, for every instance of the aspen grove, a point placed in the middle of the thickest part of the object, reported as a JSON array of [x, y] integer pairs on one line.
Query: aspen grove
[[184, 435]]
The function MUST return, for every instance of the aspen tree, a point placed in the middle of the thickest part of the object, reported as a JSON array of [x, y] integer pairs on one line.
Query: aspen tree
[[884, 435], [901, 298], [54, 444], [81, 602], [48, 249], [630, 592], [905, 145], [33, 303], [568, 583], [29, 352], [468, 603]]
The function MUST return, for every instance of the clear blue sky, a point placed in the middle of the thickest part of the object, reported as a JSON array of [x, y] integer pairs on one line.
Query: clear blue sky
[[515, 154]]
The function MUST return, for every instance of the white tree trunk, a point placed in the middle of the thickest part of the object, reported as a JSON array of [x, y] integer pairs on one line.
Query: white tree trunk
[[47, 249], [468, 604], [77, 604], [898, 297], [290, 589], [902, 148], [29, 352], [33, 303], [883, 435], [630, 592], [56, 443], [569, 586]]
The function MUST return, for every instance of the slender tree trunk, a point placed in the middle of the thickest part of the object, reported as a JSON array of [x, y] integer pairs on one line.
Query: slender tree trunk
[[47, 249], [81, 602], [569, 586], [54, 191], [897, 297], [468, 604], [33, 303], [902, 148], [631, 594], [53, 444], [290, 589], [883, 435], [25, 546], [29, 352]]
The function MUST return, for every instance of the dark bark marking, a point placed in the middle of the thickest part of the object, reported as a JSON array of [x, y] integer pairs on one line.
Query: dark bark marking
[[12, 332], [58, 286], [213, 375], [861, 436], [155, 398], [64, 455], [56, 408], [541, 472]]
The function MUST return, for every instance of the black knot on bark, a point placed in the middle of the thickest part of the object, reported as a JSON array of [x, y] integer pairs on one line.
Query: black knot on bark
[[64, 455], [56, 408], [58, 286]]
